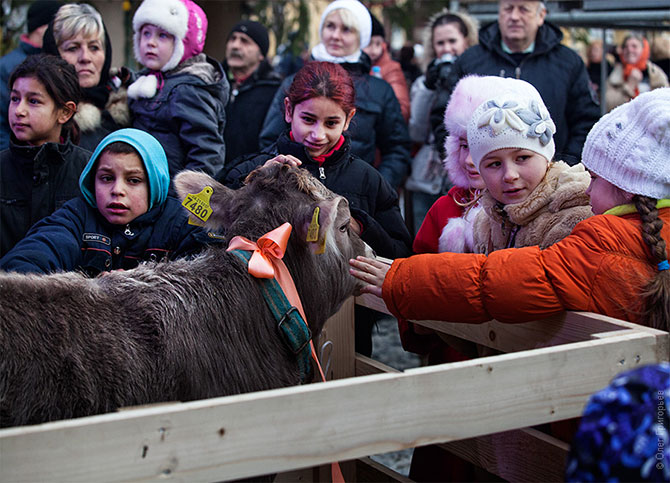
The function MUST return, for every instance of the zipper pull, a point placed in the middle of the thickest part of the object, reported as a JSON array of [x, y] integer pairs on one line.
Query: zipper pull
[[128, 231], [322, 173]]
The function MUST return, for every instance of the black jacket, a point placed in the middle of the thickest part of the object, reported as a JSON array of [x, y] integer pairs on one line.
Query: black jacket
[[187, 115], [246, 110], [556, 71], [77, 237], [34, 182], [372, 201], [378, 122]]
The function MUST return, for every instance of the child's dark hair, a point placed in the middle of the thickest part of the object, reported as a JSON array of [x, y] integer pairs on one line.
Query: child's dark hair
[[119, 147], [60, 81], [323, 79], [656, 295]]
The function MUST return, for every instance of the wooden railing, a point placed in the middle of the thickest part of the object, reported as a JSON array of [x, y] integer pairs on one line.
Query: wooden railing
[[477, 409]]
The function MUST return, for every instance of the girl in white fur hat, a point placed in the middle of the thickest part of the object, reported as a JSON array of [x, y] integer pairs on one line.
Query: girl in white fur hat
[[614, 263], [181, 94]]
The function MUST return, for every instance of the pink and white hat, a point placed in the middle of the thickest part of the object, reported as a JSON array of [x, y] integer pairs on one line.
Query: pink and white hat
[[182, 18]]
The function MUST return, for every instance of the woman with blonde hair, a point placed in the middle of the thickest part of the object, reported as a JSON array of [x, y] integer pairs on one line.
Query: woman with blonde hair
[[78, 35]]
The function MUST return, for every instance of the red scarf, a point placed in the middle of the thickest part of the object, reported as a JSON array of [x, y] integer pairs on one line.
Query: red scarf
[[322, 158], [640, 65]]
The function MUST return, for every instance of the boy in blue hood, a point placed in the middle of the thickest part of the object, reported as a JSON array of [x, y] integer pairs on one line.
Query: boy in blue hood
[[124, 216]]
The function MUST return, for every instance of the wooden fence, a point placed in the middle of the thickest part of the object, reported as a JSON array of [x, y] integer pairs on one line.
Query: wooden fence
[[479, 409]]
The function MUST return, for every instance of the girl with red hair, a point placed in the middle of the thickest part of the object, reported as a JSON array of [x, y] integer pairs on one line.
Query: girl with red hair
[[319, 107]]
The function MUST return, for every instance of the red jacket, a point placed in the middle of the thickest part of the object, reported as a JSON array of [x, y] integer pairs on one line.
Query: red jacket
[[426, 240], [599, 268], [392, 73]]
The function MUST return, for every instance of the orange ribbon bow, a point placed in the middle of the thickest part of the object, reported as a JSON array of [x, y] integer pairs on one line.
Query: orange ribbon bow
[[266, 262]]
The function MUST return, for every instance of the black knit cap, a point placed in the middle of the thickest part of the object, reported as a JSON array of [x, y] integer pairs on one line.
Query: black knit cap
[[41, 13], [256, 31], [377, 27]]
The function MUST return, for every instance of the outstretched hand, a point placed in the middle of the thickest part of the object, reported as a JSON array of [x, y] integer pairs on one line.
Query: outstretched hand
[[370, 271], [284, 159]]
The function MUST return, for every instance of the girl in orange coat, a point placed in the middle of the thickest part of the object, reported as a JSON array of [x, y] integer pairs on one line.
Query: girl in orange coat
[[596, 268]]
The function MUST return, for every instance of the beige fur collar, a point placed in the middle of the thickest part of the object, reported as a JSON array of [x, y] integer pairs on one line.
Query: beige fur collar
[[563, 186], [89, 117]]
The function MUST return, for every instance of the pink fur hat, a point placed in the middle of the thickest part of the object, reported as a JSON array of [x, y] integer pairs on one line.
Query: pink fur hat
[[470, 92]]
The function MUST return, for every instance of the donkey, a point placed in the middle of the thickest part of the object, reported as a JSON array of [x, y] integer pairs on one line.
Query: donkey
[[174, 331]]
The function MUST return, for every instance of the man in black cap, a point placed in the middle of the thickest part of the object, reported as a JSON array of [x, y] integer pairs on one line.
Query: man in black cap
[[40, 13], [253, 84]]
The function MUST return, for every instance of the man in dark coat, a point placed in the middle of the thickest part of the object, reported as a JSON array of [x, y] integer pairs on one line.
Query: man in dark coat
[[40, 13], [521, 45], [253, 85]]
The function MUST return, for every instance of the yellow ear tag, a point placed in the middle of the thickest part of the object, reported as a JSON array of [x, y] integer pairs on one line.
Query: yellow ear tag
[[198, 205], [313, 230], [322, 246]]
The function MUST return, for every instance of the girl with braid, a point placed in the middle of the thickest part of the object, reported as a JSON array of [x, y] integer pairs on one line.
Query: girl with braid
[[614, 263]]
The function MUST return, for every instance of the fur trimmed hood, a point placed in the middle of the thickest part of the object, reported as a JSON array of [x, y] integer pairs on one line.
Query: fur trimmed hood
[[89, 117], [547, 216]]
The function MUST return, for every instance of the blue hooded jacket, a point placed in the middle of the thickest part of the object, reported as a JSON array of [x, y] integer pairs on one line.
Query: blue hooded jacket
[[78, 237], [153, 158]]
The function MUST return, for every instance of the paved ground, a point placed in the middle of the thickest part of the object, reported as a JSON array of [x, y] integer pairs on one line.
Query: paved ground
[[386, 348]]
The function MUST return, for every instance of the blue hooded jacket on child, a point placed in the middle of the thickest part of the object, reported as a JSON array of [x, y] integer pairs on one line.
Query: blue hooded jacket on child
[[78, 237]]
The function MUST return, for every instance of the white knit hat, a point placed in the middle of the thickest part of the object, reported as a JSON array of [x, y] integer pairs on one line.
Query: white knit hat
[[630, 146], [361, 14], [513, 120], [466, 97]]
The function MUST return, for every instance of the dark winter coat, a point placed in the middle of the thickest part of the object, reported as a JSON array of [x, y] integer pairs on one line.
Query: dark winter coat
[[246, 110], [34, 182], [372, 201], [378, 122], [556, 71], [187, 115], [77, 237], [7, 64]]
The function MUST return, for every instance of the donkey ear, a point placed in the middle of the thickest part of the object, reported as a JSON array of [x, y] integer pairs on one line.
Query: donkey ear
[[193, 182], [319, 227]]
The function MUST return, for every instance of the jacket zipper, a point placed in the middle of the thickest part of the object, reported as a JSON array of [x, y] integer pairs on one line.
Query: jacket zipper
[[322, 173], [128, 231]]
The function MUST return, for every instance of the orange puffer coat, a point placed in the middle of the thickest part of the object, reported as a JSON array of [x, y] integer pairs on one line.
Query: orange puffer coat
[[599, 267]]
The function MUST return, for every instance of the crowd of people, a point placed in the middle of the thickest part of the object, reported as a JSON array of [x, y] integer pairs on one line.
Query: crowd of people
[[499, 145]]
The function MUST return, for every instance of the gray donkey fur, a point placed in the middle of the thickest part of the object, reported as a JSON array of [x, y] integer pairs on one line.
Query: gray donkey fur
[[176, 331]]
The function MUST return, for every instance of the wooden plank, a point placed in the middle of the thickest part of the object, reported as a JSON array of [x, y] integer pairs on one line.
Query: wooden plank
[[563, 328], [518, 455], [335, 347], [524, 455], [366, 366], [369, 470], [305, 426]]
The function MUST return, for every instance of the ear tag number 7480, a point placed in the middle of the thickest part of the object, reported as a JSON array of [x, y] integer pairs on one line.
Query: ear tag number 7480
[[198, 204]]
